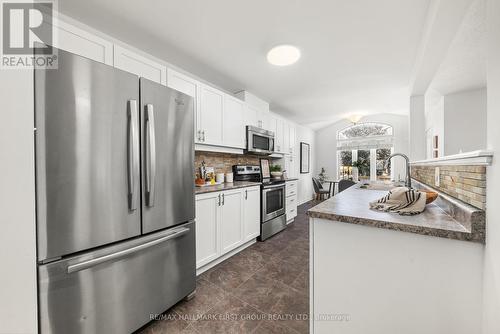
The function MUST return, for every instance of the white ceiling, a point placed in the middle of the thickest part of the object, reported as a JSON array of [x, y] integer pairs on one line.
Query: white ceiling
[[357, 55], [464, 66]]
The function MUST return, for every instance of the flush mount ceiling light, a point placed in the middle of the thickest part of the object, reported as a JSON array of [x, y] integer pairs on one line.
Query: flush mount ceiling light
[[355, 118], [283, 55]]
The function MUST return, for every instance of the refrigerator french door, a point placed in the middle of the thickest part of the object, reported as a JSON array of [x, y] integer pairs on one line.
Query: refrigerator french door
[[168, 157], [87, 156], [115, 197]]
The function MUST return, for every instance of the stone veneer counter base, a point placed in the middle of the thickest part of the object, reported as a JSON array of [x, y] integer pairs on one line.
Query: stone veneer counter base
[[225, 186], [352, 206]]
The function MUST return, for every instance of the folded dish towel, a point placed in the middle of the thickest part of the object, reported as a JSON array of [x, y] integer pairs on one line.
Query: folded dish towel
[[402, 200]]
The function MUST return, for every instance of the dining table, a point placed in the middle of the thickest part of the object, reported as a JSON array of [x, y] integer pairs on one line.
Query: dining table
[[332, 183]]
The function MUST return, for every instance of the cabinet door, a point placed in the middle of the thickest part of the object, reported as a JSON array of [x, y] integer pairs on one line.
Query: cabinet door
[[139, 65], [251, 213], [264, 119], [191, 87], [231, 220], [211, 112], [233, 123], [83, 43], [286, 138], [207, 228], [251, 116], [291, 165], [292, 138], [279, 135]]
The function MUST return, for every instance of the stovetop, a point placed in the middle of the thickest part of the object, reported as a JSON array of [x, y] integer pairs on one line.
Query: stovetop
[[252, 173]]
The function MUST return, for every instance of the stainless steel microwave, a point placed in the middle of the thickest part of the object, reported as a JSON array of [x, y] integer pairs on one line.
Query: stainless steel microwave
[[259, 141]]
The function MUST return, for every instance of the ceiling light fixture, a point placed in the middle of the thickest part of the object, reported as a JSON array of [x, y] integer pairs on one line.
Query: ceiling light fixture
[[283, 55], [354, 119]]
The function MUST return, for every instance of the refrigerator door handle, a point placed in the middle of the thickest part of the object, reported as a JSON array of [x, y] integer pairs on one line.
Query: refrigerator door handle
[[150, 156], [126, 252], [133, 161]]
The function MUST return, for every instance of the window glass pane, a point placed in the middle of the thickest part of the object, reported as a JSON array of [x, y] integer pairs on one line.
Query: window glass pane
[[382, 155], [364, 164], [345, 161], [365, 130]]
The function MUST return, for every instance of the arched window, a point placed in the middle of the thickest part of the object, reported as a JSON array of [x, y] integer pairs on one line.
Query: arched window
[[367, 146]]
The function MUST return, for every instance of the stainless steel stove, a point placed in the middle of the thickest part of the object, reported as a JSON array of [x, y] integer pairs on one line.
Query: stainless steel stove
[[272, 199]]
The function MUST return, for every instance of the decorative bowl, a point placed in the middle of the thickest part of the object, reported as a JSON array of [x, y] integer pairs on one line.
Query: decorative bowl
[[276, 175], [431, 196]]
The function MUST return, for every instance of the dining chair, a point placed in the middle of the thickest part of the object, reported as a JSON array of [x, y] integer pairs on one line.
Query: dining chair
[[344, 184], [318, 189]]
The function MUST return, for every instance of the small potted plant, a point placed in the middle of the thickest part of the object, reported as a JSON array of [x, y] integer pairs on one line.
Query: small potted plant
[[276, 171]]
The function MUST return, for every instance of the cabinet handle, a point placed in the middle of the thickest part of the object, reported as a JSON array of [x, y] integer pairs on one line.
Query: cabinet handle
[[203, 132], [246, 194], [218, 202], [222, 199]]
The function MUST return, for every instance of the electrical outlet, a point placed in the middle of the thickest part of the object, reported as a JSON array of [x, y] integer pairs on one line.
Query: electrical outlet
[[437, 179]]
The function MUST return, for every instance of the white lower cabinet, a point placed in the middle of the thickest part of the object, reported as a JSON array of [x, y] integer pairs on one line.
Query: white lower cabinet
[[225, 220], [231, 220], [207, 228], [291, 200], [251, 213]]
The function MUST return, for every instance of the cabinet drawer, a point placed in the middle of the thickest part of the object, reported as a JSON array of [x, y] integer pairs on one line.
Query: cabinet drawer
[[140, 277], [291, 207], [291, 188]]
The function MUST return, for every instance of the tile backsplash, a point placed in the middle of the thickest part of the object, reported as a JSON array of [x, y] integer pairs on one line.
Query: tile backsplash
[[467, 183], [223, 162]]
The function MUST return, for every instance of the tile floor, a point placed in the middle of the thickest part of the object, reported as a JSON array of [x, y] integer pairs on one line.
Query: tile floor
[[263, 289]]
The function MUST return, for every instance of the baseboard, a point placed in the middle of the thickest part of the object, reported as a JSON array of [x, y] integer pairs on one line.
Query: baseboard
[[226, 256], [306, 200]]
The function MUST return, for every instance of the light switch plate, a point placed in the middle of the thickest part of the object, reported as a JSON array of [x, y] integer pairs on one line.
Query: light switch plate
[[437, 180]]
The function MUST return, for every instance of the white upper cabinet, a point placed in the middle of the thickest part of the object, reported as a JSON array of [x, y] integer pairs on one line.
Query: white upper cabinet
[[211, 114], [132, 62], [286, 138], [191, 87], [265, 120], [292, 138], [279, 136], [251, 117], [182, 83], [83, 43], [233, 122]]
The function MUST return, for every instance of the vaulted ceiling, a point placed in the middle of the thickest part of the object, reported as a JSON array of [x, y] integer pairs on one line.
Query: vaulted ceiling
[[357, 55]]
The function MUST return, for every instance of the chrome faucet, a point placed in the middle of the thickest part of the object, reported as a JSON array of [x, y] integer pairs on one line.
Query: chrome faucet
[[408, 175]]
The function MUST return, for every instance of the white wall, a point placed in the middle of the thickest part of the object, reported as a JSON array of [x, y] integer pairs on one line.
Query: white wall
[[305, 187], [434, 121], [465, 112], [491, 295], [18, 299], [418, 149], [326, 142]]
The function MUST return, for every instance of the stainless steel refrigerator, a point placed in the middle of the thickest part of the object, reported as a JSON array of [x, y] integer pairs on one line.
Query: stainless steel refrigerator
[[115, 197]]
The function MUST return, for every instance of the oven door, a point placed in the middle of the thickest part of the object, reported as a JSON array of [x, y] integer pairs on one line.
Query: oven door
[[273, 202], [260, 142]]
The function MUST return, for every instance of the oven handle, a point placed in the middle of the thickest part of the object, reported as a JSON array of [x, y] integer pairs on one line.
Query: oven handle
[[274, 186]]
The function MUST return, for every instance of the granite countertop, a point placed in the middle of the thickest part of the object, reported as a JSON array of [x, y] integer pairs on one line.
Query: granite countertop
[[225, 186], [352, 206]]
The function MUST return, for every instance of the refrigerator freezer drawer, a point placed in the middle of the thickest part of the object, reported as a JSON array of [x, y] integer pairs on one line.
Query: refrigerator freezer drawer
[[116, 289]]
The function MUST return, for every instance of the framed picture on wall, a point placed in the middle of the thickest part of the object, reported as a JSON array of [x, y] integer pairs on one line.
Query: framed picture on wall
[[304, 158]]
